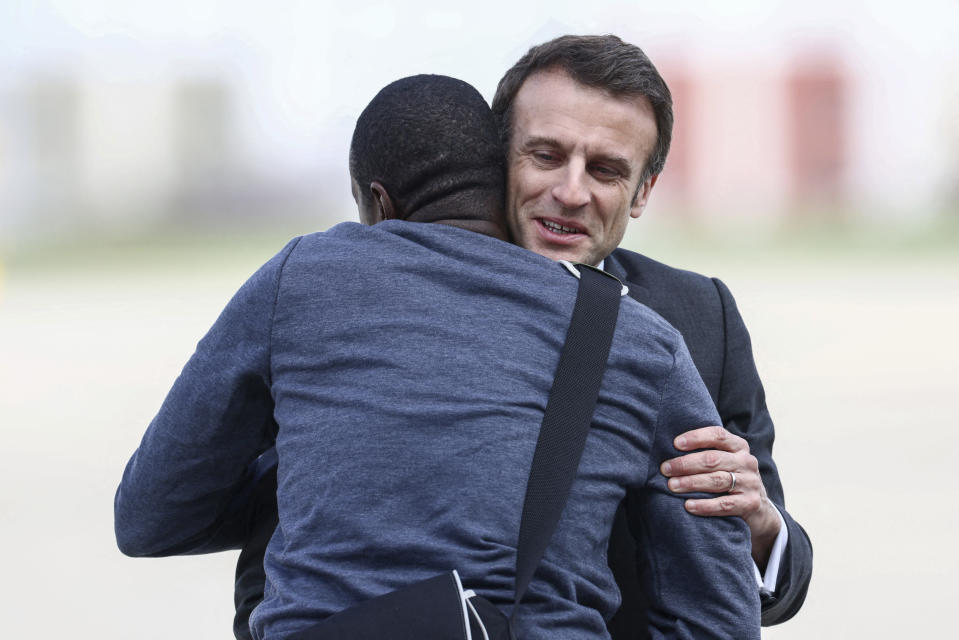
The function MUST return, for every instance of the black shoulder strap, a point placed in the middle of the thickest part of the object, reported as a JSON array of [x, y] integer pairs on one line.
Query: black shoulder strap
[[569, 413]]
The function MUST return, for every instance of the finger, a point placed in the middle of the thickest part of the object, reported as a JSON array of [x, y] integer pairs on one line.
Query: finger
[[733, 504], [713, 437], [705, 462], [717, 482]]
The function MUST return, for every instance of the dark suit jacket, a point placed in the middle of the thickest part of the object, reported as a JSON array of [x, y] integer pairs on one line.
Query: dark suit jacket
[[704, 312]]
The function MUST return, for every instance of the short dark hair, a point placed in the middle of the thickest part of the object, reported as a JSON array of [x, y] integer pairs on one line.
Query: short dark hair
[[602, 62], [429, 140]]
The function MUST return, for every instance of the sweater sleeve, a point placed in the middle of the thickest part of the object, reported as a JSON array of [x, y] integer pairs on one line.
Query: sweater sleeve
[[699, 572], [217, 418], [742, 407]]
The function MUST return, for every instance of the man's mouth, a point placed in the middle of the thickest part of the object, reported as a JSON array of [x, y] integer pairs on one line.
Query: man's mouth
[[559, 229]]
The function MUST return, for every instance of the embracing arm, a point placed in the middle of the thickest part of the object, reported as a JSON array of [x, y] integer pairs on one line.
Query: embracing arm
[[177, 490], [742, 406], [699, 575], [744, 447]]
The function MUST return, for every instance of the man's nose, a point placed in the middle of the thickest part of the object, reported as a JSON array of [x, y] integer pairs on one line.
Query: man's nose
[[572, 191]]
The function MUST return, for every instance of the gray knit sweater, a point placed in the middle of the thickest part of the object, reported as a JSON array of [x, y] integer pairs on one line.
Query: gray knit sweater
[[407, 367]]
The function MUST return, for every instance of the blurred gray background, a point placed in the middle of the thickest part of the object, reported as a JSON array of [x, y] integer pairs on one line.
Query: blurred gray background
[[153, 155]]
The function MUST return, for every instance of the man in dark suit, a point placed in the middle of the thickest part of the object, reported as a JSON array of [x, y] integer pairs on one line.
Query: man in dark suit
[[588, 121]]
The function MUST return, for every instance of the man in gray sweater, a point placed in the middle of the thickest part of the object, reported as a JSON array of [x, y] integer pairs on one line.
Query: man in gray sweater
[[403, 369]]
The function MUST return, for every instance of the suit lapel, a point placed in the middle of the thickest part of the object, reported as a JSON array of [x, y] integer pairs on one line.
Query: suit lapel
[[685, 309], [637, 291]]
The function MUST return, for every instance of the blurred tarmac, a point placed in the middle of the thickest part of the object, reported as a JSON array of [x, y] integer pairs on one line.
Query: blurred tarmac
[[858, 357]]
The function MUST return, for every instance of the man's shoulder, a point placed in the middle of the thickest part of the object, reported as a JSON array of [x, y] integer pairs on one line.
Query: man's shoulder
[[693, 303], [352, 242], [399, 238], [344, 231], [667, 288], [652, 272]]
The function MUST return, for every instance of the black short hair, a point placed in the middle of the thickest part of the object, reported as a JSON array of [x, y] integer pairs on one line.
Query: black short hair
[[601, 62], [429, 140]]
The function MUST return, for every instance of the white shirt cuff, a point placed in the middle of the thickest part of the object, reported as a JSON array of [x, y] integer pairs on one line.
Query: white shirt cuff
[[767, 582]]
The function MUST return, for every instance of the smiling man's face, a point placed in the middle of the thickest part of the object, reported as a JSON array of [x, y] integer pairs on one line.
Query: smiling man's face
[[576, 156]]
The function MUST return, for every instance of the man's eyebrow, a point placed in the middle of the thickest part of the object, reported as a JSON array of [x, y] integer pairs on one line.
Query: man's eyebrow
[[541, 141]]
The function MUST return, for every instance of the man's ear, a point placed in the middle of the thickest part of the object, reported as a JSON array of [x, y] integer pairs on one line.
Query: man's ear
[[383, 206], [642, 196]]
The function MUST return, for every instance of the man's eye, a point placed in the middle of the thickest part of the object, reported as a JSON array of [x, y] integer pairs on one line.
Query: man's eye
[[545, 156], [603, 171]]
